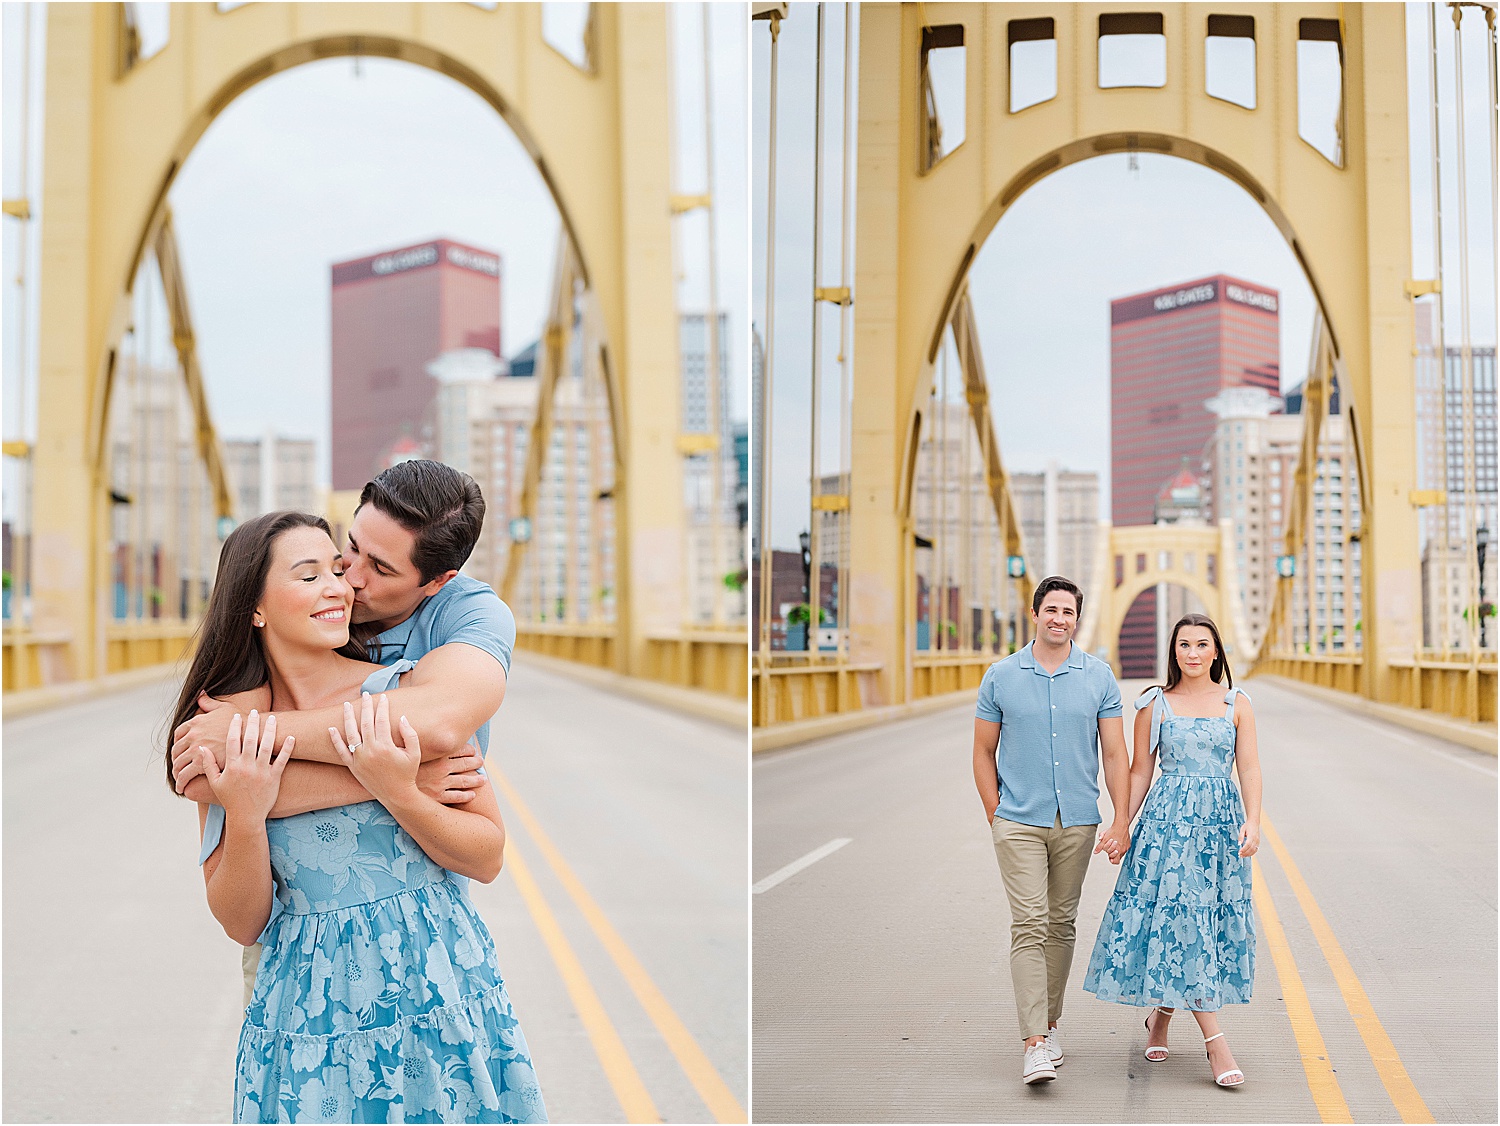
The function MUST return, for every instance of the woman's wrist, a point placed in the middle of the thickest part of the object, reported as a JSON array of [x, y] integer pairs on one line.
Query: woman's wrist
[[402, 796]]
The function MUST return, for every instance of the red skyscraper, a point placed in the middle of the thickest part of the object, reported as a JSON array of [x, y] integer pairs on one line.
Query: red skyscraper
[[1170, 351], [393, 314]]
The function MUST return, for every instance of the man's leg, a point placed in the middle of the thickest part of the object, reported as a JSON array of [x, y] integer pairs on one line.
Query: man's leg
[[1068, 854], [249, 963], [1022, 853]]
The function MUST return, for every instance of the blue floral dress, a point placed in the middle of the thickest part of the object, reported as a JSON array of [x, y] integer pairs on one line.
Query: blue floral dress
[[378, 997], [1179, 930]]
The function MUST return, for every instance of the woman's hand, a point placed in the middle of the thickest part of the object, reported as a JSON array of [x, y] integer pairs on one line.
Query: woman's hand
[[1249, 838], [386, 769], [251, 778]]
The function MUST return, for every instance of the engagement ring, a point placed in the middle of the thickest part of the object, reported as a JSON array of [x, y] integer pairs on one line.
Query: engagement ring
[[356, 746]]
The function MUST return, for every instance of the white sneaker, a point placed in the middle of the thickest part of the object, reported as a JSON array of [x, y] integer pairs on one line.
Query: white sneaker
[[1054, 1046], [1037, 1066]]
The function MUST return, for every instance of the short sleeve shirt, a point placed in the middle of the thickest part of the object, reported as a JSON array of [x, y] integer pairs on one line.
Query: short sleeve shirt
[[1048, 757], [464, 610]]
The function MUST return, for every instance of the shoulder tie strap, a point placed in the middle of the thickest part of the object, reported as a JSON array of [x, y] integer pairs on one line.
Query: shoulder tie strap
[[1152, 698], [1229, 701]]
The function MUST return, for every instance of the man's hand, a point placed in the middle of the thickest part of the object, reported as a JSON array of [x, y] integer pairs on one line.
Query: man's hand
[[208, 730], [1114, 842], [452, 780]]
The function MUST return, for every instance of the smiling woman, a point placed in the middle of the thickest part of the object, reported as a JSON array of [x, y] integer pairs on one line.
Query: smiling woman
[[402, 1010]]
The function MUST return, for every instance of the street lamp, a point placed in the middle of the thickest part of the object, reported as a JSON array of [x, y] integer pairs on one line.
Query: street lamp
[[1481, 544], [805, 539]]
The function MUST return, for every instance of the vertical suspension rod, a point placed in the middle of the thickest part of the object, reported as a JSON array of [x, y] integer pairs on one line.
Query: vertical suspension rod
[[1466, 349], [767, 367], [814, 539], [845, 406], [1443, 634], [711, 368]]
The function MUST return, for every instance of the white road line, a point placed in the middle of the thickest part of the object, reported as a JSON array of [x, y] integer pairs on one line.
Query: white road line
[[796, 866]]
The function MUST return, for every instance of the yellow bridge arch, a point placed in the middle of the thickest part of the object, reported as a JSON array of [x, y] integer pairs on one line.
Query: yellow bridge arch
[[118, 131], [920, 228]]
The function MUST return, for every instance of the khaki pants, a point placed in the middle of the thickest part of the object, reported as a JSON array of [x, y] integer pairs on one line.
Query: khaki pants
[[249, 963], [1043, 871]]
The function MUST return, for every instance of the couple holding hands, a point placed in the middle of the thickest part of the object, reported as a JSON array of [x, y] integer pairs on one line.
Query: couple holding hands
[[1179, 931]]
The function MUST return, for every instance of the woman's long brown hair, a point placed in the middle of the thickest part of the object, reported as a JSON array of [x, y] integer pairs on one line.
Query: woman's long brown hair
[[229, 657], [1218, 672]]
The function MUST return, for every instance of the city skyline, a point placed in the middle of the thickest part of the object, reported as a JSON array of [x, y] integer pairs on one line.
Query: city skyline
[[1087, 234]]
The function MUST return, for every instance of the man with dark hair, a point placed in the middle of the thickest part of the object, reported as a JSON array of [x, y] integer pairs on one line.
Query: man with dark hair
[[1044, 714], [415, 526]]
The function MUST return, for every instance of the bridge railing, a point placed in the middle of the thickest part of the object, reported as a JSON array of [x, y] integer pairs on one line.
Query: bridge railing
[[790, 686], [1457, 684], [936, 674]]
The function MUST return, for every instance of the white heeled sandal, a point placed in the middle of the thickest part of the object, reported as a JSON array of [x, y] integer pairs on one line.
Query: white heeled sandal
[[1155, 1048], [1223, 1080]]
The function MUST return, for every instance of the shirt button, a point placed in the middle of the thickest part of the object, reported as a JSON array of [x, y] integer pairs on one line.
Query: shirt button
[[1054, 707]]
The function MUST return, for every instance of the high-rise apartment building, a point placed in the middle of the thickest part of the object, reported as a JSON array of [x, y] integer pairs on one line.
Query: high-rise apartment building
[[480, 421], [962, 589], [272, 473], [1254, 461], [393, 313], [715, 547], [1254, 464], [1059, 514], [1440, 433], [1171, 350], [163, 530]]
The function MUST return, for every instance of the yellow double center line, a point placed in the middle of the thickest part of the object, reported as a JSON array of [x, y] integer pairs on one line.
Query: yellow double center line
[[1326, 1093], [1383, 1053], [638, 1107]]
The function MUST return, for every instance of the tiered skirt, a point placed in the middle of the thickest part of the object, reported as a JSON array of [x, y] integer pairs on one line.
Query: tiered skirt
[[388, 1011], [1179, 930]]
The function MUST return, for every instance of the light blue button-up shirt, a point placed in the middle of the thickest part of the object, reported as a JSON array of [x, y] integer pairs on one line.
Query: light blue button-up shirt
[[465, 610], [1048, 758]]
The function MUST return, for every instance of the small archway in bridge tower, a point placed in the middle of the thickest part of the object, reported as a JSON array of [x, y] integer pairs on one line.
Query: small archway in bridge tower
[[590, 124], [1143, 657], [1322, 194]]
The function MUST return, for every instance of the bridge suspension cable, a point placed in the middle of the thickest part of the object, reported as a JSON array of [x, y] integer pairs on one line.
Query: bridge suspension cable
[[773, 17]]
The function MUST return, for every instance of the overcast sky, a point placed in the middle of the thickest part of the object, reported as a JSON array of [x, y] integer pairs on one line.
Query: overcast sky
[[337, 159], [1091, 232]]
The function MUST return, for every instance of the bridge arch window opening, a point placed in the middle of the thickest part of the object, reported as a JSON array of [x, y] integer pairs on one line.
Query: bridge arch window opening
[[1320, 86], [709, 203], [802, 353], [1132, 50], [143, 29], [1032, 59], [1229, 60], [568, 28], [943, 85]]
